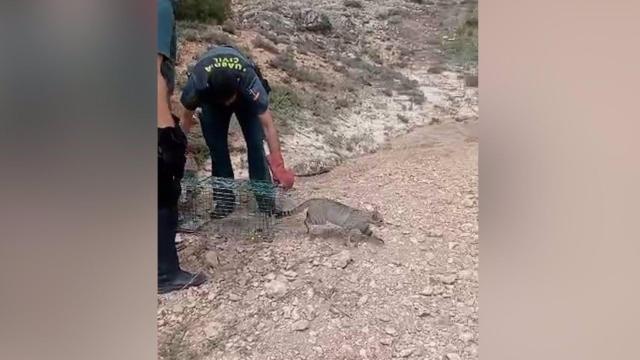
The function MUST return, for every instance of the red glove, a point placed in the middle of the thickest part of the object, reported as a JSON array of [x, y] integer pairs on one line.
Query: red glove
[[281, 175]]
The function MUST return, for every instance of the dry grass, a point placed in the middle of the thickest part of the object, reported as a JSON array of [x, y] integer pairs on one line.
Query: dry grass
[[265, 44], [353, 4], [464, 48], [287, 63]]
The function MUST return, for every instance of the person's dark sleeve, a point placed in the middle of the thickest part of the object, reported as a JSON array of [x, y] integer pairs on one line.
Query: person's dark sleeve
[[166, 20], [189, 97], [256, 95]]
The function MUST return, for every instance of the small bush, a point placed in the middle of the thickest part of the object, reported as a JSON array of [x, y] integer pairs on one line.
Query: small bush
[[464, 49], [262, 43], [353, 4], [285, 105], [284, 62], [203, 10]]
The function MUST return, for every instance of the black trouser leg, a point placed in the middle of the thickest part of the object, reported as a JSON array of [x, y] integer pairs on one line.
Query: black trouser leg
[[171, 159], [215, 129], [168, 263], [258, 167]]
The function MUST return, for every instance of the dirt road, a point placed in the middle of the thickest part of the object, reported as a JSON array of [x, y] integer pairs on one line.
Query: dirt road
[[304, 297]]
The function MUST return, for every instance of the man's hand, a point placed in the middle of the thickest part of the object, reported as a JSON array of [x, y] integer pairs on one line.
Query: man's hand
[[281, 175]]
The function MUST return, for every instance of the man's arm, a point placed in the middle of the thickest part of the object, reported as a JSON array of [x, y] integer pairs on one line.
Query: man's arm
[[190, 102], [186, 120], [281, 174], [163, 108], [270, 132]]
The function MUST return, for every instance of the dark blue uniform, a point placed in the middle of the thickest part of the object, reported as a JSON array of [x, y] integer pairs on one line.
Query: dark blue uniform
[[252, 101], [169, 159]]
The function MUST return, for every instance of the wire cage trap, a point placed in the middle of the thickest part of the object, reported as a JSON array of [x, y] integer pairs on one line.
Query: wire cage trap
[[228, 206]]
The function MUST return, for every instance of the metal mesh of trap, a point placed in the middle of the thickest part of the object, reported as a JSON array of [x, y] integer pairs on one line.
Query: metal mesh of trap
[[227, 206]]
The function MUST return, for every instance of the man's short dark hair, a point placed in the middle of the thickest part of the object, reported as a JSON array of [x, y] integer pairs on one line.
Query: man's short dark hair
[[223, 85]]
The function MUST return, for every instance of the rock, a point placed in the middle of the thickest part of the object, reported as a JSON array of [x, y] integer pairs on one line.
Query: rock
[[301, 325], [295, 315], [286, 312], [212, 330], [431, 290], [342, 259], [353, 4], [290, 274], [448, 279], [363, 300], [384, 318], [428, 291], [469, 203], [471, 80], [387, 340], [234, 297], [276, 288], [466, 337], [434, 233], [436, 69], [317, 349], [314, 21], [229, 27], [212, 259], [405, 353], [451, 356], [390, 331], [465, 274], [270, 276], [346, 350]]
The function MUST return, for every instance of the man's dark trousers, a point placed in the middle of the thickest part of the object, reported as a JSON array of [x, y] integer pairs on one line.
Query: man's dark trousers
[[215, 122], [170, 170]]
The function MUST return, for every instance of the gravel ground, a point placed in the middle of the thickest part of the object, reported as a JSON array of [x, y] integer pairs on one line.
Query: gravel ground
[[310, 297]]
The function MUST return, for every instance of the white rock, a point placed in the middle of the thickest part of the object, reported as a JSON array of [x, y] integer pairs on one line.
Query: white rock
[[390, 331], [212, 258], [451, 356], [363, 300], [270, 276], [301, 325], [212, 330], [448, 279], [290, 274], [276, 288], [387, 340], [465, 274], [405, 353], [342, 259], [466, 337], [434, 233]]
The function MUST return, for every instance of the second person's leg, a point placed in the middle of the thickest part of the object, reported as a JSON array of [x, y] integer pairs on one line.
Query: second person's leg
[[215, 129]]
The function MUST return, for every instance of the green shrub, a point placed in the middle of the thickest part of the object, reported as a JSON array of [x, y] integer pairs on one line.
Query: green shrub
[[464, 49], [203, 10]]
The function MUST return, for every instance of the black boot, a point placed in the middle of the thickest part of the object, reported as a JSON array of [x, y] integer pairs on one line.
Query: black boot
[[179, 280], [170, 276]]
